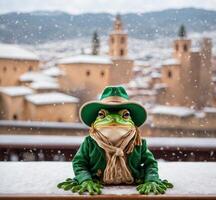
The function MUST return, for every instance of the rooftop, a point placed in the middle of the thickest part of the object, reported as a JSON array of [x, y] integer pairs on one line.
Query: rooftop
[[16, 52], [51, 98], [173, 110], [16, 90], [52, 71], [35, 76], [44, 85], [93, 59]]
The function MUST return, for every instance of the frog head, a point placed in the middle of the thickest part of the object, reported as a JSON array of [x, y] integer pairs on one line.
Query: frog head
[[113, 123]]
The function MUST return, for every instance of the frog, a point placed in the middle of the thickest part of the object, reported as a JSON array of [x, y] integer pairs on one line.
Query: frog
[[114, 153]]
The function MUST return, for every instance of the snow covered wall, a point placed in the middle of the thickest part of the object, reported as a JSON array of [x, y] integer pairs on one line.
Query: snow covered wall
[[31, 178]]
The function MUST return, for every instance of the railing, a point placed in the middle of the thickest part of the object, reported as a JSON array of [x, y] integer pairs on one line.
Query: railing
[[63, 148]]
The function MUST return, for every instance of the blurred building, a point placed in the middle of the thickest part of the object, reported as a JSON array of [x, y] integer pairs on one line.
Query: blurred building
[[14, 61], [85, 76]]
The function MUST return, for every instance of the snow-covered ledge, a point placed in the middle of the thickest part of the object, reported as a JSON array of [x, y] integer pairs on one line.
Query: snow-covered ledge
[[32, 180]]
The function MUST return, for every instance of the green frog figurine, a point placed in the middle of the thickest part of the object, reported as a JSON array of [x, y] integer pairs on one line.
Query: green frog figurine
[[113, 153]]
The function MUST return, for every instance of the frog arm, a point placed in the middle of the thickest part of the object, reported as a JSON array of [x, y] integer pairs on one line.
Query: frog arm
[[80, 163], [150, 164]]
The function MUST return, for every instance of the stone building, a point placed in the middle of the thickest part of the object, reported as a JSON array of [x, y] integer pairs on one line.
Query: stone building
[[14, 61], [86, 75], [185, 104], [53, 106]]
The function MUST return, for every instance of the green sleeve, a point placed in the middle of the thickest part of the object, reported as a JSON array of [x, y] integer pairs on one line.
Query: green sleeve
[[150, 164], [81, 163]]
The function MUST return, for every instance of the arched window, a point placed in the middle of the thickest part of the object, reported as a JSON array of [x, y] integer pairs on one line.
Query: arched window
[[88, 73], [15, 117], [185, 48], [102, 73], [121, 52], [169, 74], [112, 40], [177, 47], [30, 68], [4, 69]]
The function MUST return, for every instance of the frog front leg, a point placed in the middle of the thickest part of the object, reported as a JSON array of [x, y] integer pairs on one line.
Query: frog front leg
[[155, 187]]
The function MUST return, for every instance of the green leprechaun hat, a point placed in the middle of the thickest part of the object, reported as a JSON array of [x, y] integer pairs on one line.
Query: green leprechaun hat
[[115, 98]]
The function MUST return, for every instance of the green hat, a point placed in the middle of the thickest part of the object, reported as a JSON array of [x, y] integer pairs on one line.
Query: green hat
[[113, 97]]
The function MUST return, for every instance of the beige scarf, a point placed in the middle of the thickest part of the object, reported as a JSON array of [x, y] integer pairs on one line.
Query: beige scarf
[[116, 171]]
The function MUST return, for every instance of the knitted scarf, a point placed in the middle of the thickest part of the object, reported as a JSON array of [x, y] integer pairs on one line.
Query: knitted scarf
[[116, 171]]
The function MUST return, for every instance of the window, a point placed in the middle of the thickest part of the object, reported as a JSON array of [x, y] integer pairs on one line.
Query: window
[[122, 52], [15, 69], [169, 74], [4, 69], [15, 117], [185, 48], [88, 73], [177, 47], [112, 40], [30, 68], [59, 120], [102, 73], [122, 40]]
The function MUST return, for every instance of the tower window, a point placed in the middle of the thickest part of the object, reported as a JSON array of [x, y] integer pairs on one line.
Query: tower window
[[169, 74], [176, 47], [112, 40], [102, 73], [185, 48], [30, 68], [122, 52], [5, 69], [15, 117], [88, 73], [122, 40]]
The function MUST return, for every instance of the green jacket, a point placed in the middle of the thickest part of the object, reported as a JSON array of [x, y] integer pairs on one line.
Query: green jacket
[[90, 162]]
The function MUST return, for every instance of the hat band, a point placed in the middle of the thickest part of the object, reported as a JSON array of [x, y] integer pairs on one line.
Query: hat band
[[114, 99]]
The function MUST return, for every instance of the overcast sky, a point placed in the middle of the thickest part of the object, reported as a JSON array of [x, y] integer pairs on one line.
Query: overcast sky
[[112, 6]]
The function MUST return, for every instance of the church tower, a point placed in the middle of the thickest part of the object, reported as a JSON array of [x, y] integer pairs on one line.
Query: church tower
[[118, 40]]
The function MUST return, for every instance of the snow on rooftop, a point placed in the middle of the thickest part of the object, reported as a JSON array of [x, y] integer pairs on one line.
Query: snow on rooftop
[[44, 85], [173, 110], [159, 86], [210, 110], [171, 61], [51, 98], [36, 76], [93, 59], [16, 52], [156, 75], [29, 178], [53, 71], [16, 90]]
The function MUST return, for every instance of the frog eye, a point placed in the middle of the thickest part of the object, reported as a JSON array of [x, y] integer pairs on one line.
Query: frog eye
[[101, 114], [125, 114]]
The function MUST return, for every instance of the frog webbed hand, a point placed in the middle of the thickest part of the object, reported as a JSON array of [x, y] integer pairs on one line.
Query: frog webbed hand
[[156, 187], [90, 186]]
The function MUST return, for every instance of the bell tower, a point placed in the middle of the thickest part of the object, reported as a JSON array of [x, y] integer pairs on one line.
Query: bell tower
[[118, 40]]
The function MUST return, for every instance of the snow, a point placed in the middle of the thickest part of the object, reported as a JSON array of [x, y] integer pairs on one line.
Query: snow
[[42, 177], [93, 59], [156, 75], [44, 85], [16, 90], [173, 110], [210, 110], [159, 86], [68, 141], [53, 71], [35, 76], [15, 52], [51, 98], [171, 61]]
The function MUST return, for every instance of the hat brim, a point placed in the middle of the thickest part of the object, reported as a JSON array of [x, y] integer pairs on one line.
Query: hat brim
[[89, 111]]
